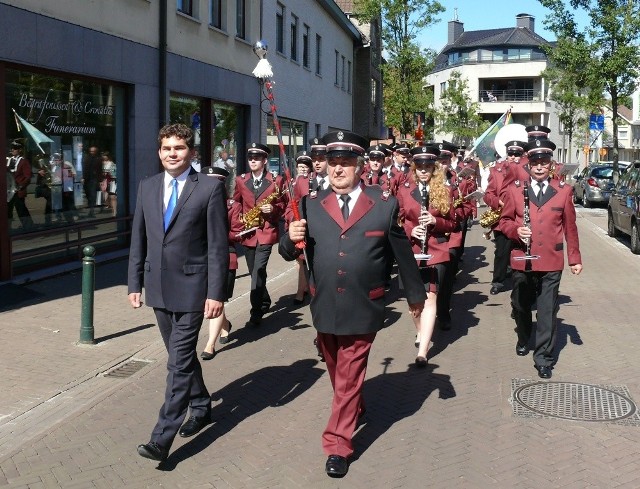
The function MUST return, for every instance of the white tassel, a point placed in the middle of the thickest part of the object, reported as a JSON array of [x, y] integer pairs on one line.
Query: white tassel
[[263, 69]]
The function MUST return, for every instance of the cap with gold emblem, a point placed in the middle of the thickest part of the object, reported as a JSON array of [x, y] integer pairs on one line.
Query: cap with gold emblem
[[378, 150], [447, 150], [214, 171], [426, 153], [318, 147], [344, 143], [258, 148], [537, 132], [539, 148]]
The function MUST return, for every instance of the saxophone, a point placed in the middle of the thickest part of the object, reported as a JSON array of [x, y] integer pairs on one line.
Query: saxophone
[[253, 218], [489, 219]]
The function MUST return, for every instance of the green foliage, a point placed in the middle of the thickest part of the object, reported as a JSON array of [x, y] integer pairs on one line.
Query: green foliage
[[406, 65], [604, 57], [458, 115]]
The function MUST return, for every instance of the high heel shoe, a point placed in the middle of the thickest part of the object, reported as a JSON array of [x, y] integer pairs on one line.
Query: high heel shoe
[[223, 340], [421, 361]]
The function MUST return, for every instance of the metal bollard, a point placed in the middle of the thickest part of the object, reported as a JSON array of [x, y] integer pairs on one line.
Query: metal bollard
[[88, 286]]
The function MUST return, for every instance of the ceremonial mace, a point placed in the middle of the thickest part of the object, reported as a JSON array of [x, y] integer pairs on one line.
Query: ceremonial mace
[[264, 73]]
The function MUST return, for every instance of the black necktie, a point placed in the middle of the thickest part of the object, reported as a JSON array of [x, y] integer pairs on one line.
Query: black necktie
[[321, 184], [345, 206], [540, 191]]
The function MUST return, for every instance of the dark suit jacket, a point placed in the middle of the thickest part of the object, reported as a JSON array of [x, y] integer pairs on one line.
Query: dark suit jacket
[[188, 264], [349, 261]]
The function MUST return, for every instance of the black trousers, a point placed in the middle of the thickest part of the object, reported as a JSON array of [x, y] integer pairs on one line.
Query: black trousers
[[21, 208], [185, 385], [445, 291], [257, 260], [541, 288], [501, 258]]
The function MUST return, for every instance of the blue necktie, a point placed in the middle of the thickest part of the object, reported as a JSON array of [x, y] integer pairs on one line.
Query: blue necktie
[[173, 200]]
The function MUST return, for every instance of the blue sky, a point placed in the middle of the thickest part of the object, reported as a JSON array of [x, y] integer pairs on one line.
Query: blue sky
[[489, 14]]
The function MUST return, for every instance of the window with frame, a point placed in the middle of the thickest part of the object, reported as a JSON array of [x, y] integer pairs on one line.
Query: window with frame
[[241, 19], [280, 29], [185, 6], [337, 80], [294, 37], [343, 77], [318, 54], [374, 92], [305, 47], [215, 13], [349, 76]]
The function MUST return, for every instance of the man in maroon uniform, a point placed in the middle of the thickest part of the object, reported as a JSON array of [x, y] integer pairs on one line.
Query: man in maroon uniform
[[260, 194], [492, 197], [552, 221], [351, 231]]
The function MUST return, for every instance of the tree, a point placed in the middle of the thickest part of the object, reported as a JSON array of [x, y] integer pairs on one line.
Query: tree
[[406, 65], [458, 115], [607, 55]]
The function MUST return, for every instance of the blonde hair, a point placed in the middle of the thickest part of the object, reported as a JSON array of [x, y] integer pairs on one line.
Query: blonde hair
[[439, 195]]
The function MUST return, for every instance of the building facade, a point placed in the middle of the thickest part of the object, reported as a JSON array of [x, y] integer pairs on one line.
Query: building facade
[[502, 68], [102, 77]]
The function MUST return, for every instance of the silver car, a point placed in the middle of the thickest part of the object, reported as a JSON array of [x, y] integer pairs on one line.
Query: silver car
[[593, 185]]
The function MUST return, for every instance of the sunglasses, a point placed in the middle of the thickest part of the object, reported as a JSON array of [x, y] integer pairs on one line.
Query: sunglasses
[[514, 153]]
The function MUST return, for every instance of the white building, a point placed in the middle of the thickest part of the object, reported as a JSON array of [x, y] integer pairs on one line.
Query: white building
[[502, 68]]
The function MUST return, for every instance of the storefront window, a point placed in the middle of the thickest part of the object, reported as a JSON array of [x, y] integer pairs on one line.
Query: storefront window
[[293, 137], [65, 163]]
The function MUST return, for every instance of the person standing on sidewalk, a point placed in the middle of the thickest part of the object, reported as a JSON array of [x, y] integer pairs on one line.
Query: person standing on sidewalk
[[552, 222], [352, 232], [179, 251]]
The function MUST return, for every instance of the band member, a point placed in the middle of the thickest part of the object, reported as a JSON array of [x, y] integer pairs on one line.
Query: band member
[[260, 195], [318, 180], [347, 280], [302, 187], [450, 266], [402, 160], [391, 177], [220, 327], [20, 169], [493, 198], [427, 217], [539, 229], [373, 169]]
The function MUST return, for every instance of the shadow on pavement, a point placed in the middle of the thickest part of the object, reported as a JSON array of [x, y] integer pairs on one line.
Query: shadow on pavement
[[107, 275], [269, 387], [142, 327], [390, 398]]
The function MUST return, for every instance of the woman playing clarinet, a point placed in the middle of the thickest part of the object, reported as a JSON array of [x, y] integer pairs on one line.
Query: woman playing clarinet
[[428, 218]]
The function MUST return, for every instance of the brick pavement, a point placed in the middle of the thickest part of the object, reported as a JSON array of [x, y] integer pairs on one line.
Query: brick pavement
[[66, 425]]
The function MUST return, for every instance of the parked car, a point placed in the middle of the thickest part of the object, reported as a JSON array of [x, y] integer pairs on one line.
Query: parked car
[[624, 207], [594, 185]]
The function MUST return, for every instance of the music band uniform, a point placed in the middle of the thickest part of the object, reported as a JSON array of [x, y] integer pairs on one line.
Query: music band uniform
[[552, 223], [348, 267]]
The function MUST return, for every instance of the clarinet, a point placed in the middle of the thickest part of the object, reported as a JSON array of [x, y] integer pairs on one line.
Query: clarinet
[[425, 207], [526, 218]]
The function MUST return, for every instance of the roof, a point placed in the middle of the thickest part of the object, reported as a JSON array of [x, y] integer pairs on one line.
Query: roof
[[492, 38], [347, 6]]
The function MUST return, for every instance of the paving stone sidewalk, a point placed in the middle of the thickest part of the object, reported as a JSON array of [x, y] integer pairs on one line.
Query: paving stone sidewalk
[[64, 424]]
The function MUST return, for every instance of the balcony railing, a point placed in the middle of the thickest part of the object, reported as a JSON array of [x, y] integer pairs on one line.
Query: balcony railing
[[514, 95]]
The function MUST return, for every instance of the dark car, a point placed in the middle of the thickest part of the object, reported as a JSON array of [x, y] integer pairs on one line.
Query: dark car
[[593, 185], [624, 207]]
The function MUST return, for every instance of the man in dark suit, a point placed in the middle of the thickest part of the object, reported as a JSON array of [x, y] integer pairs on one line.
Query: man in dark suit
[[351, 233], [92, 174], [179, 252], [552, 221]]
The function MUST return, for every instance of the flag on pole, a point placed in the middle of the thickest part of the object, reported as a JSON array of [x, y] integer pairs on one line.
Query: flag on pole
[[37, 136], [483, 147]]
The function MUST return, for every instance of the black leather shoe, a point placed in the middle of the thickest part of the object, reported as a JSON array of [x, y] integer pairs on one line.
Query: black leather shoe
[[496, 289], [153, 451], [297, 302], [544, 371], [193, 425], [265, 308], [336, 466], [421, 362], [254, 321], [205, 355], [223, 340], [521, 350]]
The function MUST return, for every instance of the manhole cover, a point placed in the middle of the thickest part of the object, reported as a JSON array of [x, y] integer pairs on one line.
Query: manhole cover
[[580, 402], [127, 369]]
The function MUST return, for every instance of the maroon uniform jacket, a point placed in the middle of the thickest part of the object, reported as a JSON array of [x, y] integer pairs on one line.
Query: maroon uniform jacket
[[248, 197], [21, 171], [410, 202], [234, 211], [553, 222]]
